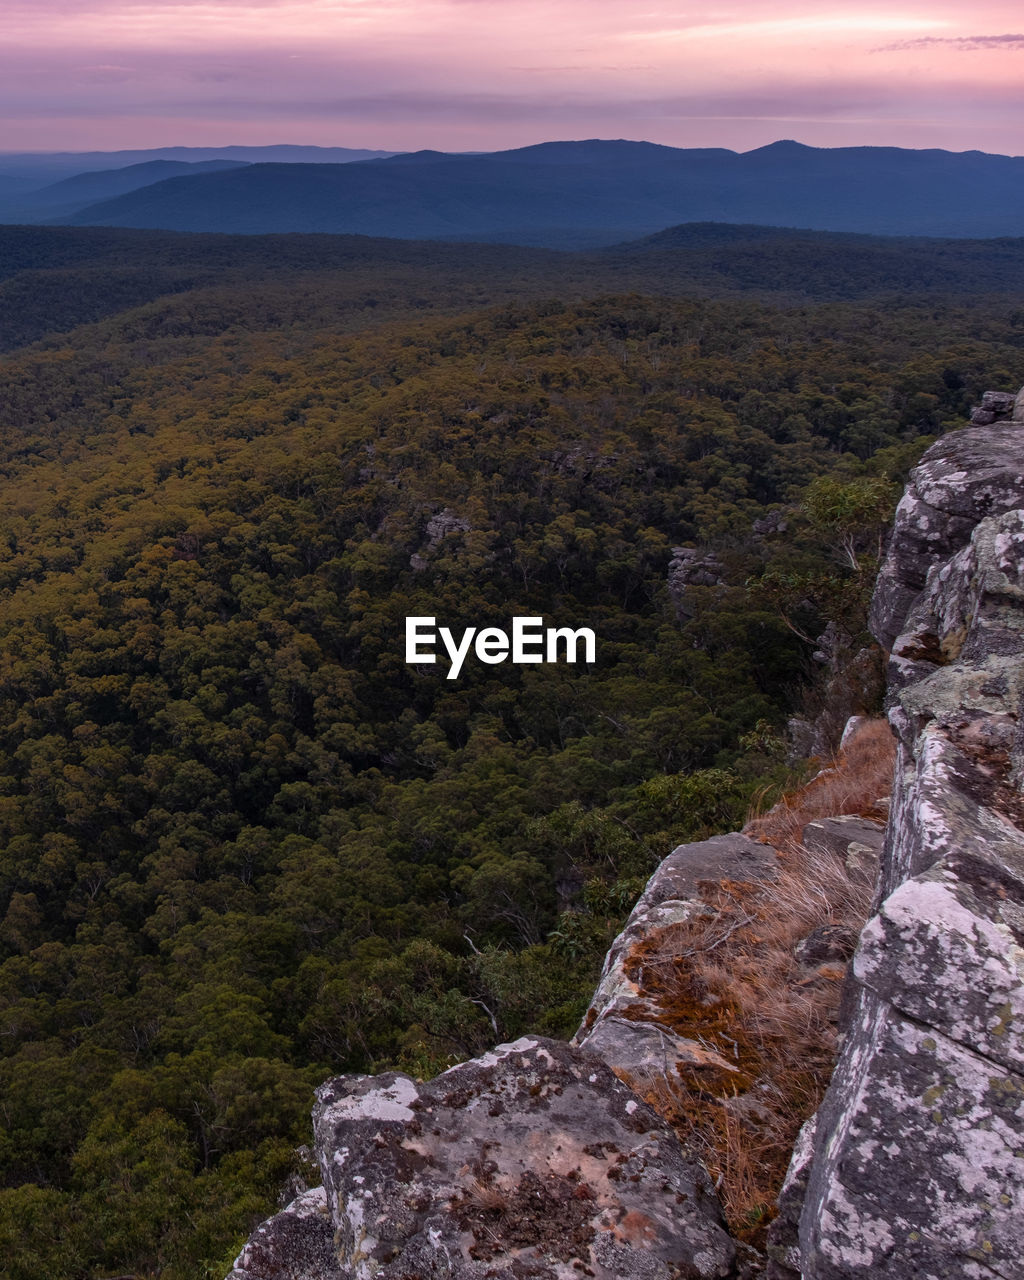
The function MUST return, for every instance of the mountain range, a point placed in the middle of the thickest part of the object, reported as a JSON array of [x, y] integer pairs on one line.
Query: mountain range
[[556, 194]]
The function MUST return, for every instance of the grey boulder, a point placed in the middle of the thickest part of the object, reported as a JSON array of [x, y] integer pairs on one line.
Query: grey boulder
[[532, 1162]]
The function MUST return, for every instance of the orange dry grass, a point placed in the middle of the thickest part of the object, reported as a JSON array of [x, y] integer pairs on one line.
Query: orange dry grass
[[854, 782], [730, 981]]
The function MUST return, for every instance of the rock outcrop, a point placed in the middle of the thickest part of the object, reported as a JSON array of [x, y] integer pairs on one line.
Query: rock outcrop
[[296, 1244], [533, 1162], [914, 1165], [998, 406], [856, 841], [440, 526], [690, 568], [624, 1024], [963, 478]]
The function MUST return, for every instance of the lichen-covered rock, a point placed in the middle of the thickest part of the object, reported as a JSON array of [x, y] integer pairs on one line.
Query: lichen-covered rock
[[995, 405], [936, 809], [918, 1169], [917, 1163], [808, 740], [729, 857], [296, 1244], [623, 1024], [937, 936], [962, 478], [967, 624], [784, 1243], [532, 1162]]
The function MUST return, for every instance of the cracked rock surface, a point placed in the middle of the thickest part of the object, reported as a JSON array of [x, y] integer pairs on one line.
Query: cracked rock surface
[[963, 478]]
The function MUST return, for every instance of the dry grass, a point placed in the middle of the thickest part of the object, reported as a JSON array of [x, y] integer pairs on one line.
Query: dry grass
[[854, 782], [731, 982]]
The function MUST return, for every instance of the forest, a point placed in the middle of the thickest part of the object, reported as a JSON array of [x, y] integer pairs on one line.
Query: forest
[[243, 844]]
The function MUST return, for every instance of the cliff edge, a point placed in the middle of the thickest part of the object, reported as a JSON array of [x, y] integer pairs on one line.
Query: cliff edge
[[915, 1163]]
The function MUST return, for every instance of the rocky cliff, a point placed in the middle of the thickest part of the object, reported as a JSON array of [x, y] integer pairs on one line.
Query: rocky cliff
[[915, 1163], [542, 1160]]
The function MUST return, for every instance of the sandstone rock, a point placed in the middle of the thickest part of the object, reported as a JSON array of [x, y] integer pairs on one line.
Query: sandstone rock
[[917, 1162], [728, 857], [1017, 749], [962, 478], [995, 405], [768, 525], [926, 1178], [934, 813], [850, 729], [970, 604], [439, 526], [784, 1259], [443, 523], [532, 1162], [933, 939], [832, 646], [807, 740], [296, 1244], [690, 567], [622, 1024]]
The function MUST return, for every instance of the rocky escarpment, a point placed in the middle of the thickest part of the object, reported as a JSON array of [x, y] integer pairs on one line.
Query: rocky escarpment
[[915, 1163]]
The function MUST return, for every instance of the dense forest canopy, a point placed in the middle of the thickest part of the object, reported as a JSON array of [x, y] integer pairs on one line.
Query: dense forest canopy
[[53, 279], [244, 845]]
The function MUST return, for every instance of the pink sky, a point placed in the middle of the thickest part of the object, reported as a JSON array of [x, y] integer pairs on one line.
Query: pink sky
[[486, 74]]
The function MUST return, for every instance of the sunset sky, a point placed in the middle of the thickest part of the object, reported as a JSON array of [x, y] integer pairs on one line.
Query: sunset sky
[[487, 74]]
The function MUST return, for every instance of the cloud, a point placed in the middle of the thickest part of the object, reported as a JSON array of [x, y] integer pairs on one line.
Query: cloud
[[1009, 41], [554, 109], [840, 25]]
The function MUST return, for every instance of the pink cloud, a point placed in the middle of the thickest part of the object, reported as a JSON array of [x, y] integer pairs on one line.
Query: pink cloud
[[491, 73], [965, 43]]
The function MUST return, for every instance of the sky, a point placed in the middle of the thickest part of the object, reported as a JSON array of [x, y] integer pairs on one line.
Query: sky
[[461, 75]]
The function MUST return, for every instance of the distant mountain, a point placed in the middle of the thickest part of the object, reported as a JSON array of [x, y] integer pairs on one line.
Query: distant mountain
[[36, 188], [102, 184], [565, 194], [45, 187], [39, 167], [72, 193]]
